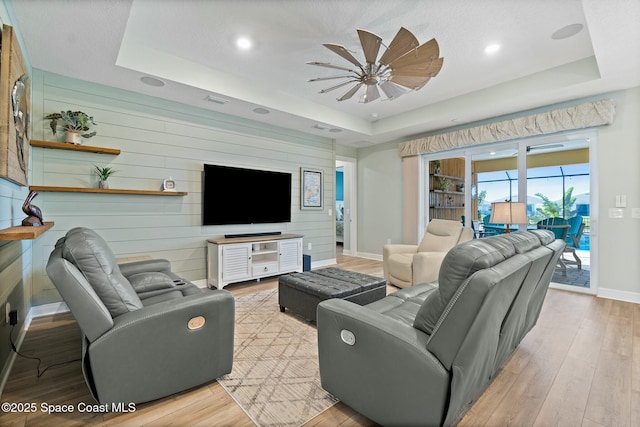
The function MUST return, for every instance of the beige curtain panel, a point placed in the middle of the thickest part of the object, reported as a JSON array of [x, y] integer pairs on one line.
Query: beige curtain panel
[[581, 116]]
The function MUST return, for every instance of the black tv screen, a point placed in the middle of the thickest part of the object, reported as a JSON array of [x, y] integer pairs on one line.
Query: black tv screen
[[245, 196]]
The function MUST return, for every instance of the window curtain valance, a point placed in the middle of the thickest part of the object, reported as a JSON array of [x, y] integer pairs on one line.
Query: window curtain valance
[[581, 116]]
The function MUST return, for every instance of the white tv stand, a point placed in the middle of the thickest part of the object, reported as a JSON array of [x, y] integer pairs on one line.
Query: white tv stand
[[231, 260]]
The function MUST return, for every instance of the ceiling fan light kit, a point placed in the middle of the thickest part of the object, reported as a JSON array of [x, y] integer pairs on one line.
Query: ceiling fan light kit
[[405, 65]]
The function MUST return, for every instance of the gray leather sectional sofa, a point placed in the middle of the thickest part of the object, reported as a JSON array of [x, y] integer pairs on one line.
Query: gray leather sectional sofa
[[147, 333], [424, 354]]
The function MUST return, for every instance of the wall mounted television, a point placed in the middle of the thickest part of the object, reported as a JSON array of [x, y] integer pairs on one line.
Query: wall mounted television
[[232, 195]]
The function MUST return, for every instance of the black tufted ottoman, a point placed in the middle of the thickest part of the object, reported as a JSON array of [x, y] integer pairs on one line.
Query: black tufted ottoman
[[302, 292]]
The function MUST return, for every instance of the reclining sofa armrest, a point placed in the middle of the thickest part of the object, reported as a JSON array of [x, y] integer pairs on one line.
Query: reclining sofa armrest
[[126, 360], [386, 355], [130, 268]]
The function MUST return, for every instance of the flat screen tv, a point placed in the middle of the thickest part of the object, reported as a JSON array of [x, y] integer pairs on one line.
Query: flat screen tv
[[234, 195]]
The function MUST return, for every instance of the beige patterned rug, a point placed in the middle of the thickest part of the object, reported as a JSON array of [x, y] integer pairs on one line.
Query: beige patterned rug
[[275, 377]]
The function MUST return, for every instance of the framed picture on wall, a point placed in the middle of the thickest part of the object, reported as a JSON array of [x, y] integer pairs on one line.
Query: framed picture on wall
[[310, 188], [14, 110]]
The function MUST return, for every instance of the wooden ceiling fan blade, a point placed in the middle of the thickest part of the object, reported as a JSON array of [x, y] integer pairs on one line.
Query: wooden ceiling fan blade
[[343, 52], [403, 42], [430, 69], [392, 90], [435, 66], [319, 79], [412, 71], [370, 45], [371, 94], [329, 89], [329, 65], [420, 86], [422, 55], [410, 81], [350, 92]]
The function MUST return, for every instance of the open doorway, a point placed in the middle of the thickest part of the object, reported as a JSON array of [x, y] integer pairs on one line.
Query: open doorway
[[345, 206]]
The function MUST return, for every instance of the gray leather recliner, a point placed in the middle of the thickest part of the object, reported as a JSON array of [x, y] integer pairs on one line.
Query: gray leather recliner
[[422, 355], [147, 333]]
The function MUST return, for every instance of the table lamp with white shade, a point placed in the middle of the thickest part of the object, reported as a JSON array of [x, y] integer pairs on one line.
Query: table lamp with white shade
[[508, 213]]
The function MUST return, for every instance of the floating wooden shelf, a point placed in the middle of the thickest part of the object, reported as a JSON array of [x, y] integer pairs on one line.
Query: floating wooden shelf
[[455, 178], [73, 147], [107, 190], [21, 232], [448, 192]]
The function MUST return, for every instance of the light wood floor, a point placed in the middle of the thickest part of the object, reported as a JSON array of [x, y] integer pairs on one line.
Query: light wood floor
[[580, 366]]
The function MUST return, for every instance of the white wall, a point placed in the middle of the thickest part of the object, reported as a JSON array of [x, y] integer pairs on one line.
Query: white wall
[[379, 198], [618, 151], [158, 139]]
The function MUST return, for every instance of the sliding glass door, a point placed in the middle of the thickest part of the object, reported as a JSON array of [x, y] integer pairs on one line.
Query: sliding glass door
[[558, 199], [551, 175]]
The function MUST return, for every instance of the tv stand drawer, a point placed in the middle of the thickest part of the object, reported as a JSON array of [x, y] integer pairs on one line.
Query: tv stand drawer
[[264, 268]]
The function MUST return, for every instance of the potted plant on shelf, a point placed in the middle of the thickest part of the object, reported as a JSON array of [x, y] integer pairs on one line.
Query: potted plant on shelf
[[103, 175], [443, 184], [74, 123], [437, 169]]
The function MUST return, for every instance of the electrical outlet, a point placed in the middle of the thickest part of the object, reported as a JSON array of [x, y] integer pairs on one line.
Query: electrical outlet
[[309, 246], [7, 309], [13, 317]]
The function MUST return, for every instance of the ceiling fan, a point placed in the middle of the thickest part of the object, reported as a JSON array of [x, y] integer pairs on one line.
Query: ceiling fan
[[405, 65]]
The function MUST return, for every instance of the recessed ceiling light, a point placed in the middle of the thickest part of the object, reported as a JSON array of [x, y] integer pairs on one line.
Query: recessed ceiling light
[[244, 43], [335, 130], [152, 81], [567, 31], [492, 48], [261, 110], [321, 127]]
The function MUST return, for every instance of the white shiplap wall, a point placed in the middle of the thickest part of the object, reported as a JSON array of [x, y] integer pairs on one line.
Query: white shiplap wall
[[158, 139]]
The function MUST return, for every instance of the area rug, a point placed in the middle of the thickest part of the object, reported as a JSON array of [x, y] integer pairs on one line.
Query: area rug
[[275, 377]]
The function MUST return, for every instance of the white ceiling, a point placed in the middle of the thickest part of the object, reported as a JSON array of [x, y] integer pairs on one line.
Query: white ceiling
[[190, 44]]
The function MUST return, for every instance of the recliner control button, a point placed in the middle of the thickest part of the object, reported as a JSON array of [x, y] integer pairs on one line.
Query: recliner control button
[[348, 337]]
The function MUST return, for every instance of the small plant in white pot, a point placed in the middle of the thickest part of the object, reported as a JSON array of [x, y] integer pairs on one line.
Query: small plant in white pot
[[103, 175], [76, 124]]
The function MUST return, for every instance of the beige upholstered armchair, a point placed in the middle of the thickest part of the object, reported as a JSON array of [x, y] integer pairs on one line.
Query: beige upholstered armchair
[[407, 265]]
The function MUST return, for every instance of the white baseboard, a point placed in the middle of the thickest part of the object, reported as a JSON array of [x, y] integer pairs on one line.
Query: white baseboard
[[627, 296], [202, 283], [376, 257], [47, 309], [324, 263]]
